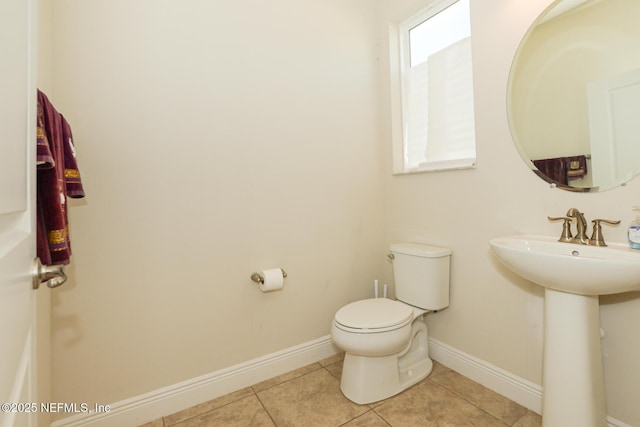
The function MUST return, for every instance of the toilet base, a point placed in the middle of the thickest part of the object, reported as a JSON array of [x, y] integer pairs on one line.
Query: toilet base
[[367, 379]]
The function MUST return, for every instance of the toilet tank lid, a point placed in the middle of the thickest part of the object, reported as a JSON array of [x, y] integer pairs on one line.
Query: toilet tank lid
[[420, 250]]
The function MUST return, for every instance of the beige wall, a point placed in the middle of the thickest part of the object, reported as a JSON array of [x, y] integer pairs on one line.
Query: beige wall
[[214, 138], [217, 138]]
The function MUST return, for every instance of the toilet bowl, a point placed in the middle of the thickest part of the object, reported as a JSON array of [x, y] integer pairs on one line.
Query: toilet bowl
[[385, 344], [386, 341]]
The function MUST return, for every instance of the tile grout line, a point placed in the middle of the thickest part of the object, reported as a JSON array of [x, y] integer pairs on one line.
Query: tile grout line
[[206, 412], [264, 407], [470, 402], [321, 367], [288, 380], [254, 392], [518, 420]]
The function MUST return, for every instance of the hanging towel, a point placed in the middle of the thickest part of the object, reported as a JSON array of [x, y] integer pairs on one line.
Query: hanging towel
[[563, 169], [555, 169], [58, 177]]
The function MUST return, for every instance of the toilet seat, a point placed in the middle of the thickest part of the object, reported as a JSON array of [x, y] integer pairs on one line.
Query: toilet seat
[[373, 315]]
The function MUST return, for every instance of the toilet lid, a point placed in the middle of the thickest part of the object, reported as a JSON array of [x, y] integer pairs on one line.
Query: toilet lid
[[375, 313]]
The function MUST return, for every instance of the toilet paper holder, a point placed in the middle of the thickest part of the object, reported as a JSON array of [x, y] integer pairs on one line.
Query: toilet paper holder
[[259, 278]]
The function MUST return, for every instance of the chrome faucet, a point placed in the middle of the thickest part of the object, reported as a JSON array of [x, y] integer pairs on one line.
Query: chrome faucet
[[581, 224]]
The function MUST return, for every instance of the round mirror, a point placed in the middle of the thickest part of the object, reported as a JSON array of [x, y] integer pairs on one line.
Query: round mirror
[[574, 94]]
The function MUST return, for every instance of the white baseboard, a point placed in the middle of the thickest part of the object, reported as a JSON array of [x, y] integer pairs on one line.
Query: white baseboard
[[168, 400], [518, 389]]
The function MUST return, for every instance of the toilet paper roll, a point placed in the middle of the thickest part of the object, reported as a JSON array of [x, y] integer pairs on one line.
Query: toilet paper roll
[[273, 280]]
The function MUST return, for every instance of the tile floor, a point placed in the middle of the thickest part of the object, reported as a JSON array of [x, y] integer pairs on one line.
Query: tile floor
[[311, 396]]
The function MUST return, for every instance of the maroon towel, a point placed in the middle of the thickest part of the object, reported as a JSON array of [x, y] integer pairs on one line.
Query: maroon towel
[[563, 169], [555, 169], [58, 178]]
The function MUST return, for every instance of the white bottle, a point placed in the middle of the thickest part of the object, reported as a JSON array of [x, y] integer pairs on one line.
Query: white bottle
[[633, 234]]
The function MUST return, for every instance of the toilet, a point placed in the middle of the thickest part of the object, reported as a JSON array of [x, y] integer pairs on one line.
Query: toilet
[[385, 341]]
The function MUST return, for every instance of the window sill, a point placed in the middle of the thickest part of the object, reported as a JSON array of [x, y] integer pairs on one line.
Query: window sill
[[443, 165]]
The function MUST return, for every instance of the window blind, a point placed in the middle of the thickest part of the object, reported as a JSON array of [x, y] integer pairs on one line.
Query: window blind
[[439, 122]]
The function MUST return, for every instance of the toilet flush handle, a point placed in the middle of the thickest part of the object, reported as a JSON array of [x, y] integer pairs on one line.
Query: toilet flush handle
[[391, 256]]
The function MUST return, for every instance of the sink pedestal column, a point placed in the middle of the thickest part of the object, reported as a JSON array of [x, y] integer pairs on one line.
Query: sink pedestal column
[[573, 379]]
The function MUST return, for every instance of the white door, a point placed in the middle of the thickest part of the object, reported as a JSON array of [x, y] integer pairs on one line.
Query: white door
[[18, 379], [614, 108]]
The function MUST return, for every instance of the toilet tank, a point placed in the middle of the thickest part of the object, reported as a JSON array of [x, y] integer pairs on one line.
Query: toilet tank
[[421, 275]]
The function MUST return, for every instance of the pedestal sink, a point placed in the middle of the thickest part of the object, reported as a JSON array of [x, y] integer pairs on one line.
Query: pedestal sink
[[573, 276]]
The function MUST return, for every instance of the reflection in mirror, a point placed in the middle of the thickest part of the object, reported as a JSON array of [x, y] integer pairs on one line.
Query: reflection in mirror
[[574, 94]]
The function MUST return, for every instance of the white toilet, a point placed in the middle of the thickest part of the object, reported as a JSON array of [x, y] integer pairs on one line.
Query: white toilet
[[385, 341]]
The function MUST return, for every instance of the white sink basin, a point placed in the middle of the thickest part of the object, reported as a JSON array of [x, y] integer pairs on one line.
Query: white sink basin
[[570, 267], [573, 276]]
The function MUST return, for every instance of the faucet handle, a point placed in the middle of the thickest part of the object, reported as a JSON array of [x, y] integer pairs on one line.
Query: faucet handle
[[596, 238], [566, 228]]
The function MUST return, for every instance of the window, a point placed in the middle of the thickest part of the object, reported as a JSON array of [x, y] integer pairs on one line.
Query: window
[[435, 129]]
